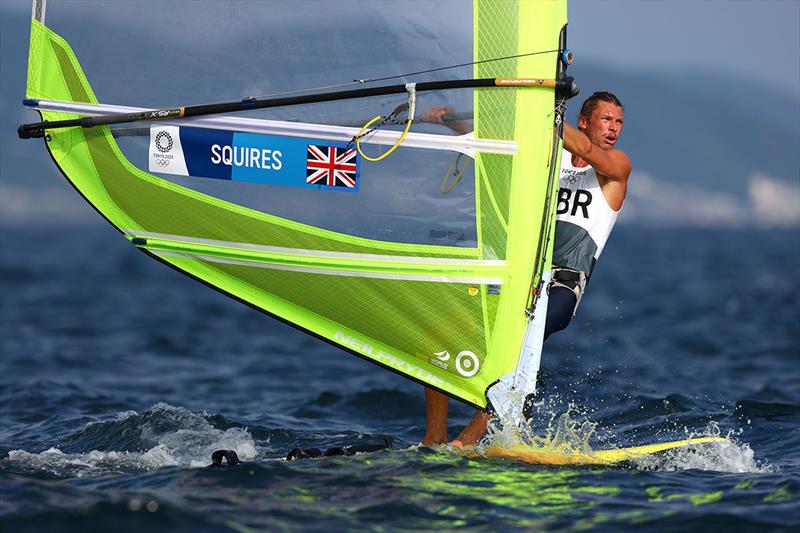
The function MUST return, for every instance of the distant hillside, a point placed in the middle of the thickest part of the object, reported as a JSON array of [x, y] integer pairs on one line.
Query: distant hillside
[[707, 148], [704, 129]]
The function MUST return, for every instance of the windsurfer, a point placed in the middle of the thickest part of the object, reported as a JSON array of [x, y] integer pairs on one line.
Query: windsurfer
[[592, 186]]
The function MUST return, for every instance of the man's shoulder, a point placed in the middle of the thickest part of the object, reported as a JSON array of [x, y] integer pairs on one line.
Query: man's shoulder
[[622, 161], [620, 153]]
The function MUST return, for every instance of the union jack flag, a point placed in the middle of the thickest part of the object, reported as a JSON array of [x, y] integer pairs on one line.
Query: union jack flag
[[332, 166]]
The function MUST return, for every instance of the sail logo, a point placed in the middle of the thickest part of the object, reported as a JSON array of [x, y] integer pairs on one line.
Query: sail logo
[[387, 359], [311, 164], [440, 359], [467, 363], [164, 142], [165, 150], [442, 356]]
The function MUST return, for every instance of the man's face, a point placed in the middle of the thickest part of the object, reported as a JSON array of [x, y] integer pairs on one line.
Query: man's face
[[604, 126]]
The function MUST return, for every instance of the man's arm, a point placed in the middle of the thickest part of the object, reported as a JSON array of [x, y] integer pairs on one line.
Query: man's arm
[[435, 115], [612, 164]]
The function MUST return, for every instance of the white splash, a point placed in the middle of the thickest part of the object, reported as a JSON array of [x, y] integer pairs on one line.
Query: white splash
[[190, 445], [730, 456], [571, 431]]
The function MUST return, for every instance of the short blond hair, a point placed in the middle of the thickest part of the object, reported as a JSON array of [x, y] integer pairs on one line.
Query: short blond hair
[[590, 104]]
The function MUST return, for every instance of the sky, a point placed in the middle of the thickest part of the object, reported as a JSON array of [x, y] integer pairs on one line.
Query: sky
[[662, 41], [757, 40], [754, 40]]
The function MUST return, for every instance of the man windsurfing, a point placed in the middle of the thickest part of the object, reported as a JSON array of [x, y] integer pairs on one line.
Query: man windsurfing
[[592, 186]]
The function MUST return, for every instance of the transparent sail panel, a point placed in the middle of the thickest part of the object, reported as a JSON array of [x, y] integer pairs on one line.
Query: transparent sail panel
[[163, 54], [415, 195], [399, 201], [224, 52]]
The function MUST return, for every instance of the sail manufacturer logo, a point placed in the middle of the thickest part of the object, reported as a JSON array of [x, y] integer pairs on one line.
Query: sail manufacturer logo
[[388, 359], [467, 363], [440, 359]]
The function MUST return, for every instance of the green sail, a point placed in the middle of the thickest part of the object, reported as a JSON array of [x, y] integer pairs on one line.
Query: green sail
[[450, 317]]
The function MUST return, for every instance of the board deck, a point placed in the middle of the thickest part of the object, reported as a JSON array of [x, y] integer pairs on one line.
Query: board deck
[[549, 456]]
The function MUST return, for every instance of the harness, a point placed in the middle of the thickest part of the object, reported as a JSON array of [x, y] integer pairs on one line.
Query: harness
[[569, 278]]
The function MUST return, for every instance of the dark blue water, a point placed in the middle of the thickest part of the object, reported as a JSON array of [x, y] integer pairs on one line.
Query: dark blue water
[[119, 378]]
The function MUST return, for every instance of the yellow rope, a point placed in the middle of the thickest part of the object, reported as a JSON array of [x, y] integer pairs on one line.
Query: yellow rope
[[411, 106], [392, 149], [447, 175]]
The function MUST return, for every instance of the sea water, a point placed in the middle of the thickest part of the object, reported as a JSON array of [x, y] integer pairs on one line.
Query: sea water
[[119, 377]]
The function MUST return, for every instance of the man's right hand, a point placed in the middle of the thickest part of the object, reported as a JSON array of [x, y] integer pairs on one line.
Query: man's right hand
[[435, 115]]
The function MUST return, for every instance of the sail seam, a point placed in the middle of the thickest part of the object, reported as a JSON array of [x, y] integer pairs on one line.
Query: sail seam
[[336, 272], [314, 253]]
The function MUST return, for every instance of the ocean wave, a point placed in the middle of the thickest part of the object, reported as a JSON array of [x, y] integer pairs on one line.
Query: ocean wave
[[159, 437]]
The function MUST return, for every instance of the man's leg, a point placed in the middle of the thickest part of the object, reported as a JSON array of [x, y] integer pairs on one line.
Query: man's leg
[[436, 413], [560, 306], [474, 430], [559, 313]]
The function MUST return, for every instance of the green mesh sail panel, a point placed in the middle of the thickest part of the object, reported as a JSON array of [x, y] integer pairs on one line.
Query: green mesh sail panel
[[513, 190], [451, 317]]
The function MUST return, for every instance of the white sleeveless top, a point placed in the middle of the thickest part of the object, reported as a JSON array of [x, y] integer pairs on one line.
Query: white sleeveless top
[[584, 219]]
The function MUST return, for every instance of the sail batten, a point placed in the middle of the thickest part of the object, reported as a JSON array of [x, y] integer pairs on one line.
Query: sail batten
[[405, 275], [314, 253]]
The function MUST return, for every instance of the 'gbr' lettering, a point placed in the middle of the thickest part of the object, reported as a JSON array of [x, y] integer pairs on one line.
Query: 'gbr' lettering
[[581, 199]]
